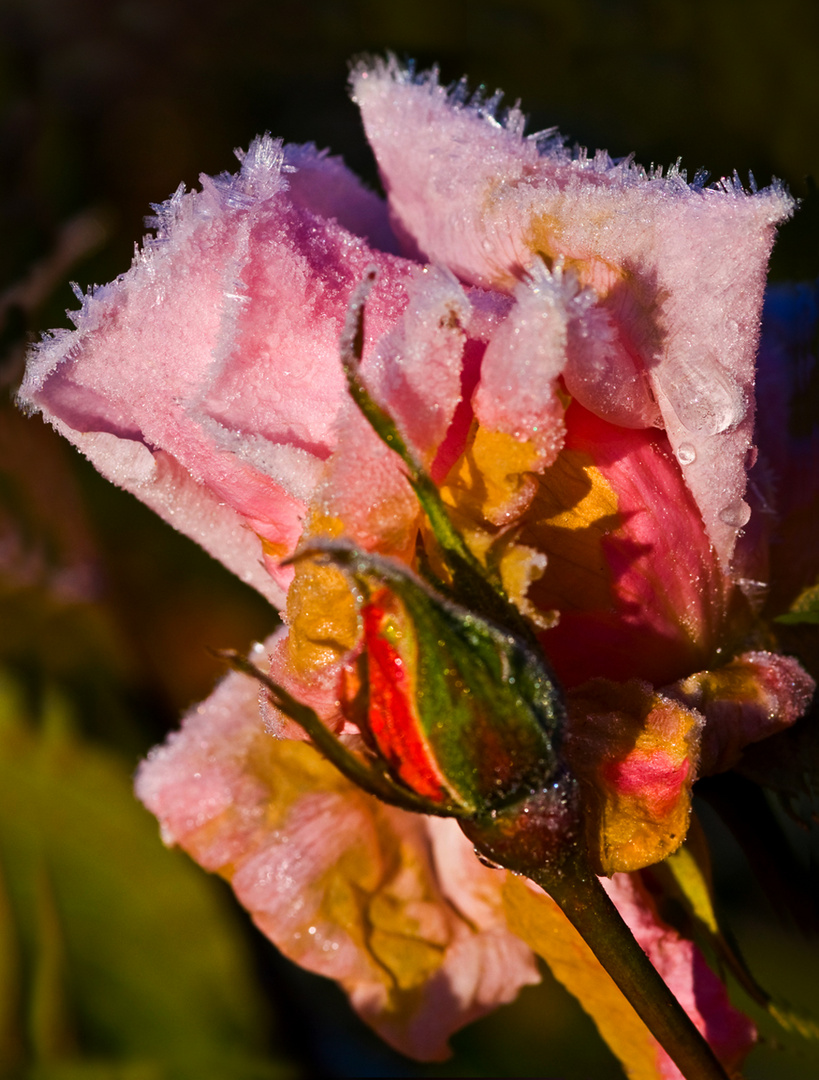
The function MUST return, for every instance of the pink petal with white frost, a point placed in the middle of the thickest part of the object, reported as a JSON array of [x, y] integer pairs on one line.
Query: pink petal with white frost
[[415, 370], [277, 370], [219, 348], [517, 393], [365, 487], [325, 186], [601, 372], [730, 1034], [342, 884], [681, 269]]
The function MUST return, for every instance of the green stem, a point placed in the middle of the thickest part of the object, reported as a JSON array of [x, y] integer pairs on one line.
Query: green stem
[[588, 908]]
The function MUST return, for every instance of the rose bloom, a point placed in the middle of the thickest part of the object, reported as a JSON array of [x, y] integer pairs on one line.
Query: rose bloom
[[566, 343]]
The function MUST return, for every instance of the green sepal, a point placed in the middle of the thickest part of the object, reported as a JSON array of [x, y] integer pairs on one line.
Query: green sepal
[[474, 586], [487, 707], [369, 776]]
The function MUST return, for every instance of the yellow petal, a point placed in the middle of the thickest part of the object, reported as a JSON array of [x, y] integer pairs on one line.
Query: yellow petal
[[635, 754], [321, 608], [537, 919]]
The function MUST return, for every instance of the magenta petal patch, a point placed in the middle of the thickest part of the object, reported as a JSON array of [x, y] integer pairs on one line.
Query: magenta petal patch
[[681, 964]]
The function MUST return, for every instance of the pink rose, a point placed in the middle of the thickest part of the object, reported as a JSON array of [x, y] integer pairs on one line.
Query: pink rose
[[567, 346]]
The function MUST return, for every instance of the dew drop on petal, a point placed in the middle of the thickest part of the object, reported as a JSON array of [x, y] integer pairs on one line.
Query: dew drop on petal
[[736, 514], [686, 454], [706, 399], [486, 861]]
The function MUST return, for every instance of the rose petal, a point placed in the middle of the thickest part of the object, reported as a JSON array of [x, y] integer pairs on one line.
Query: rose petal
[[630, 567], [325, 186], [517, 392], [342, 884], [747, 700], [219, 348], [541, 923], [415, 370], [682, 966], [635, 753], [680, 268]]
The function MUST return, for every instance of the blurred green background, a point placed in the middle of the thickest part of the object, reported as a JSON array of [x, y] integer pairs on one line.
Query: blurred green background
[[119, 959]]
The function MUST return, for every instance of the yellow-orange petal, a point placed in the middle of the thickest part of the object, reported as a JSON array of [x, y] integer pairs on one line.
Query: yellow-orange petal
[[635, 754]]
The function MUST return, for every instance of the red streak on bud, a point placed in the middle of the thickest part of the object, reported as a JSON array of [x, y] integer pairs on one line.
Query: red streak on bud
[[393, 722]]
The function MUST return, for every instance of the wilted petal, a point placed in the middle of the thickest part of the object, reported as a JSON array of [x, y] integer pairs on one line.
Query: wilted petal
[[747, 700], [635, 754], [703, 996], [342, 884], [681, 269]]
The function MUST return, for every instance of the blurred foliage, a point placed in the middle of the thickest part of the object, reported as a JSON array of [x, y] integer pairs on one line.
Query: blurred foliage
[[113, 952], [119, 960]]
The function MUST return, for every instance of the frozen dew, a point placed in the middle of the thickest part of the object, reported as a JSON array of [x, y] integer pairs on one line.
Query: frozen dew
[[706, 399], [686, 454], [737, 514]]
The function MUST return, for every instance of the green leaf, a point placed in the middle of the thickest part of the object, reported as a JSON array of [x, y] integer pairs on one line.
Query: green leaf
[[804, 609], [117, 957]]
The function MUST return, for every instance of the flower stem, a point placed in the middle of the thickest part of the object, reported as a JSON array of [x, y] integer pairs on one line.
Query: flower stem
[[588, 908]]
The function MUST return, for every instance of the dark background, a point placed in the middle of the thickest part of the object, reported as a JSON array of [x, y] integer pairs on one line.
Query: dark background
[[105, 107]]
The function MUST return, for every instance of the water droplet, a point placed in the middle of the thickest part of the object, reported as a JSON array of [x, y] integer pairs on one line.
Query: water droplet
[[487, 861], [736, 514], [686, 454], [706, 399]]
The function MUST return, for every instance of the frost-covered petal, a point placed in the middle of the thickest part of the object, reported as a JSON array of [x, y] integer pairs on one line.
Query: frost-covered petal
[[219, 348], [322, 184], [415, 370], [342, 884], [681, 269], [518, 393]]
